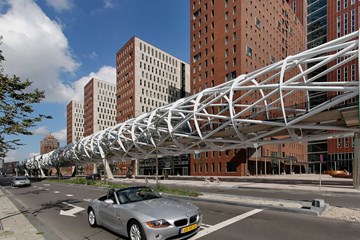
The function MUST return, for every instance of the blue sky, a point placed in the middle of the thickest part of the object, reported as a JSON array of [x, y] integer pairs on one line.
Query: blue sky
[[61, 44]]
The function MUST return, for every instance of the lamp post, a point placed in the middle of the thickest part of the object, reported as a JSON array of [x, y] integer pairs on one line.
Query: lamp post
[[256, 160]]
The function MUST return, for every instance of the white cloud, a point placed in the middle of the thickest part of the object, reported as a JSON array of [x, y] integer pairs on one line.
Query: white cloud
[[36, 48], [60, 135], [92, 55], [40, 131], [108, 4], [60, 5], [105, 73], [14, 155]]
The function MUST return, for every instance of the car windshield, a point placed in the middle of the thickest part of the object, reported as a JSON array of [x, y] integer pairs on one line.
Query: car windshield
[[136, 194], [20, 178]]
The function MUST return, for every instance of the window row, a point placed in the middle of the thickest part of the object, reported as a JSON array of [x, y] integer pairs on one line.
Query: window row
[[158, 54]]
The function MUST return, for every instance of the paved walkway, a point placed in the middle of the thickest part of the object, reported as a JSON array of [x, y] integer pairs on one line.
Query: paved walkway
[[17, 226], [14, 224], [305, 182]]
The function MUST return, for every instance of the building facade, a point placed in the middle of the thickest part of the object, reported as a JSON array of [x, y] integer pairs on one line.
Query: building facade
[[328, 20], [343, 18], [229, 38], [74, 122], [48, 144], [99, 106], [148, 78]]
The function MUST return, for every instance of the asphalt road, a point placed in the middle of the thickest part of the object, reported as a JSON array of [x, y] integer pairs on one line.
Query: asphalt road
[[44, 201]]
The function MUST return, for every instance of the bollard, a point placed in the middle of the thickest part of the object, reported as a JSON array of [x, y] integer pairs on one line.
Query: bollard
[[318, 203]]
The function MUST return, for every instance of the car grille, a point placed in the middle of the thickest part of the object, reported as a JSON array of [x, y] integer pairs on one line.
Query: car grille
[[181, 222], [184, 221], [193, 219]]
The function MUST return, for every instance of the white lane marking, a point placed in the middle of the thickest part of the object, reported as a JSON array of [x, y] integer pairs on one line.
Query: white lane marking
[[69, 195], [56, 192], [71, 212], [87, 200], [46, 184], [224, 224], [34, 186], [40, 188], [47, 189]]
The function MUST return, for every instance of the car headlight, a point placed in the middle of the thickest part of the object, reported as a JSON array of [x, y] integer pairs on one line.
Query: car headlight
[[161, 223]]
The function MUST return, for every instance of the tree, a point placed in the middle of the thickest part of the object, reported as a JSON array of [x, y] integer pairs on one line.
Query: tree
[[16, 109]]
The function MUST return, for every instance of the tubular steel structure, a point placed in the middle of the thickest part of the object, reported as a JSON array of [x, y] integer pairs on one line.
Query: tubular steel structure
[[272, 105]]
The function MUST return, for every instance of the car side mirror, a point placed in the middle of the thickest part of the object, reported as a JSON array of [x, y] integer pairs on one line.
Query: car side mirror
[[109, 201]]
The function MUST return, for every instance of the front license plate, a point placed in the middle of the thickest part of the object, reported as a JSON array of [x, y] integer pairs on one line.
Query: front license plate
[[188, 228]]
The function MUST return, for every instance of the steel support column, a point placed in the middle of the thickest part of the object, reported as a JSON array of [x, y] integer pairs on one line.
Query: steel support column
[[356, 162]]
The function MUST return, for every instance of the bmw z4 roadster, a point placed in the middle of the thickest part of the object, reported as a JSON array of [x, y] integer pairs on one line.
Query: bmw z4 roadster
[[141, 213]]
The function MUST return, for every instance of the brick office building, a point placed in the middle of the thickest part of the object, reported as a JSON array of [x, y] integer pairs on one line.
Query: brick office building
[[148, 78], [338, 18], [74, 121], [48, 144], [229, 38], [99, 106]]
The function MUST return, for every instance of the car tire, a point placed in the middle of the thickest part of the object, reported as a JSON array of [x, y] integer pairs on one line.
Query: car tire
[[92, 218], [135, 231]]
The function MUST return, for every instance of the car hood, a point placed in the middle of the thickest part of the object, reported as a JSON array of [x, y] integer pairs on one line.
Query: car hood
[[163, 208]]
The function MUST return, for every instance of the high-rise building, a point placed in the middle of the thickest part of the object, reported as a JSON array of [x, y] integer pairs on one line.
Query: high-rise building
[[317, 29], [48, 144], [99, 106], [74, 122], [148, 78], [229, 38], [328, 20]]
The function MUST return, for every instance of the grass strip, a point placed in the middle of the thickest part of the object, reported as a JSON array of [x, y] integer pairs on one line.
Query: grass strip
[[108, 184]]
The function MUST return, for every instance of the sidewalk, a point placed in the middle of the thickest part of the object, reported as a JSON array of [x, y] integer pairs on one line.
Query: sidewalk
[[302, 182], [14, 224]]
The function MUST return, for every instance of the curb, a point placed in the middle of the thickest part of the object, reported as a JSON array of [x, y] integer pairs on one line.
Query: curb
[[304, 210]]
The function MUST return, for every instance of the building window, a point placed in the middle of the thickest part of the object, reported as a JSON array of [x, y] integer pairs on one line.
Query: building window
[[219, 167], [352, 20], [339, 75], [345, 74], [294, 6], [353, 2], [345, 4], [272, 59], [345, 23], [338, 24], [226, 15], [346, 142], [339, 143], [249, 51], [194, 167], [338, 5], [353, 72], [257, 23]]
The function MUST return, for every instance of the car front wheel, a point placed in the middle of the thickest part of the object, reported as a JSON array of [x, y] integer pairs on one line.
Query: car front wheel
[[92, 218], [135, 231]]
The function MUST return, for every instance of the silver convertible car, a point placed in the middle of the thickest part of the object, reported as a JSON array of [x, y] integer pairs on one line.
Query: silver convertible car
[[141, 213]]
